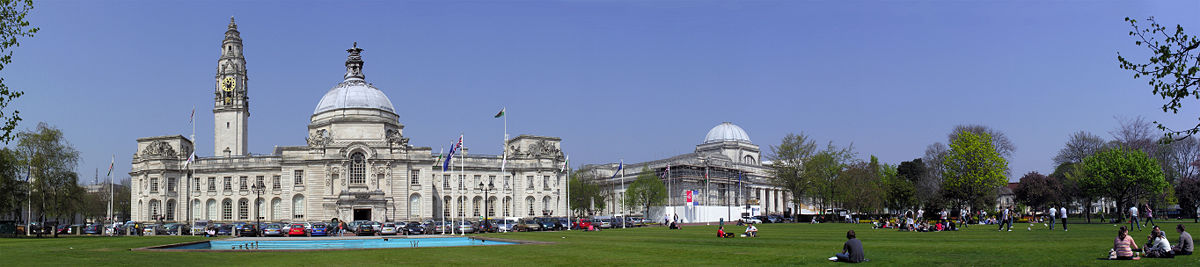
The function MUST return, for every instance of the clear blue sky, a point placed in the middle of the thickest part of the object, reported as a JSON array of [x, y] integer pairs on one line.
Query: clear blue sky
[[615, 79]]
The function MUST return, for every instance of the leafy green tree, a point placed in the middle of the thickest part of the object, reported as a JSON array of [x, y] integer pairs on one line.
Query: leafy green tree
[[586, 196], [1038, 191], [823, 171], [647, 190], [974, 170], [901, 191], [13, 25], [13, 190], [1173, 67], [1188, 195], [861, 186], [50, 162], [1122, 174], [787, 164]]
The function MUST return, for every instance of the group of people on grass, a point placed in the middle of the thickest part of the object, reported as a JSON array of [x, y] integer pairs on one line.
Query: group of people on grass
[[1157, 246], [918, 224], [751, 231]]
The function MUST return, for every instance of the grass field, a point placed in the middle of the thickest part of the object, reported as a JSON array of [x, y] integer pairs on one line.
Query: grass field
[[779, 244]]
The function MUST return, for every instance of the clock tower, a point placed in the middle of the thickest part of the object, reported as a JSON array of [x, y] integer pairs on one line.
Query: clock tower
[[231, 110]]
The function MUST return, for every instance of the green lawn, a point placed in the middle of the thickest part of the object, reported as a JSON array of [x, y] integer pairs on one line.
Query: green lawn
[[780, 244]]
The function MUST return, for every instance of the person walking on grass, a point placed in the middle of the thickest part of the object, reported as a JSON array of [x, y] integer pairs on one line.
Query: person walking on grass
[[1063, 213], [1053, 215], [1133, 218], [1003, 217], [1149, 216]]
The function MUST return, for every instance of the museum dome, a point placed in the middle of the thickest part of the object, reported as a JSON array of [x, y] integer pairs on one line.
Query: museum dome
[[354, 92], [726, 131]]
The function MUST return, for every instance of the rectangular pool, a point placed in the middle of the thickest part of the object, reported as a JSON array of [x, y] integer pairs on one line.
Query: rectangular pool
[[338, 244]]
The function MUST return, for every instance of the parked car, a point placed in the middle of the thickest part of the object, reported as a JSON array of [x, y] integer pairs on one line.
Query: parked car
[[151, 229], [527, 225], [273, 229], [225, 229], [762, 219], [296, 229], [412, 228], [247, 229], [176, 228], [749, 219], [546, 224], [486, 226], [775, 218], [365, 228], [506, 225], [581, 224], [389, 228], [318, 229], [443, 227], [464, 227], [605, 222]]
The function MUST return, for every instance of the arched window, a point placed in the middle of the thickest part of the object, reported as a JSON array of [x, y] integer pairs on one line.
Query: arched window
[[154, 209], [547, 205], [414, 205], [138, 209], [196, 209], [475, 204], [258, 208], [170, 210], [243, 209], [298, 207], [491, 207], [507, 206], [211, 209], [358, 167], [227, 209], [446, 208], [530, 201], [462, 201], [748, 159], [276, 209]]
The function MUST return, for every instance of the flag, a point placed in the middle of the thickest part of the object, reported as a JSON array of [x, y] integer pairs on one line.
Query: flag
[[565, 162], [191, 158], [111, 164], [441, 152], [501, 114], [192, 117], [449, 156], [618, 171]]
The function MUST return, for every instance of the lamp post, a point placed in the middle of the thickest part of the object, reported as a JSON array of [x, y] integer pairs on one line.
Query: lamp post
[[486, 224], [258, 189]]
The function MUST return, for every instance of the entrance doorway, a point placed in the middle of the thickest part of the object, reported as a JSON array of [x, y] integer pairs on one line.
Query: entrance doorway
[[362, 214]]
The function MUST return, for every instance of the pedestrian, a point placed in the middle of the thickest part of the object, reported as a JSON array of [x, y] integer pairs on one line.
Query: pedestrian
[[1063, 213], [1133, 218], [1053, 215], [1003, 216], [1149, 216]]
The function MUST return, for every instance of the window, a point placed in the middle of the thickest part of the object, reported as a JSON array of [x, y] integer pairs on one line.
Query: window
[[299, 177], [358, 166], [446, 182], [298, 207], [170, 210], [196, 184], [243, 209], [414, 205], [507, 206], [476, 181], [475, 206], [530, 180], [242, 183], [212, 184], [547, 205], [275, 182], [227, 209], [546, 182], [446, 208], [154, 209], [211, 209], [530, 200], [491, 207], [415, 177], [228, 186], [171, 184], [492, 180], [462, 201], [276, 209], [153, 187], [258, 181]]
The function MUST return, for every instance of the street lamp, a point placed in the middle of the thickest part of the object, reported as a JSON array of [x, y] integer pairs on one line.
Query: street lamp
[[486, 224], [258, 189]]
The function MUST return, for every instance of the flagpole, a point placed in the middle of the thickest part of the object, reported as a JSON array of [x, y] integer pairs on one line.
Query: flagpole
[[567, 167], [462, 176], [623, 215], [111, 194]]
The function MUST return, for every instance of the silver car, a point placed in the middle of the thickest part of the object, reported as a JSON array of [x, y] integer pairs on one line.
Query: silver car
[[388, 229], [464, 227]]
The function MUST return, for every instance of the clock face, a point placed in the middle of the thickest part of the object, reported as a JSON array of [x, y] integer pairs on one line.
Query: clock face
[[228, 83]]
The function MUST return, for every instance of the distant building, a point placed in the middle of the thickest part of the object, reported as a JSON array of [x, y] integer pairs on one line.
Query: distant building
[[737, 182], [355, 165]]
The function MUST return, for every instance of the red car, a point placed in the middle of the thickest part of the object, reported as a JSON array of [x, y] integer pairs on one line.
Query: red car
[[297, 229], [582, 224]]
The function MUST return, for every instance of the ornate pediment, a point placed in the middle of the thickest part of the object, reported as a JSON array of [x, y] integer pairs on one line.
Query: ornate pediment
[[319, 138], [537, 149], [160, 149]]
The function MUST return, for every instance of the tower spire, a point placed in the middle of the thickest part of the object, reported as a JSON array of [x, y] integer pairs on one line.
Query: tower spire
[[232, 25]]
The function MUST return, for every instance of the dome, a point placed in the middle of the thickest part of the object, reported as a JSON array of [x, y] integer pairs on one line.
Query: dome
[[354, 94], [354, 91], [726, 131]]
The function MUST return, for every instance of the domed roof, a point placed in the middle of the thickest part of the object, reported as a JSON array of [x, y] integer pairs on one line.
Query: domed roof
[[354, 94], [726, 131], [354, 91]]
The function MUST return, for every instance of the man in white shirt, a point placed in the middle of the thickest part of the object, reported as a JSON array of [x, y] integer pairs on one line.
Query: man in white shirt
[[1133, 218], [1053, 213], [751, 231], [1062, 212]]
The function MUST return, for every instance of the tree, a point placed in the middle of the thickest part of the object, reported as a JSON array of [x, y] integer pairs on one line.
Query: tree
[[823, 170], [1080, 145], [12, 26], [929, 187], [899, 182], [1000, 141], [974, 170], [585, 196], [861, 187], [1188, 195], [1173, 68], [648, 190], [1038, 191], [13, 190], [1180, 157], [1122, 174], [787, 164], [49, 163]]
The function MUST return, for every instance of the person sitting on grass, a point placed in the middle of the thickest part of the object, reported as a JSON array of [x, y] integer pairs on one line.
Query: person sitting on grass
[[751, 231], [721, 232], [1123, 246], [1185, 246], [852, 250], [1159, 247]]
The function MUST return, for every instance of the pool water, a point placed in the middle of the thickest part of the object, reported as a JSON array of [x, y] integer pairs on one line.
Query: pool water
[[340, 244]]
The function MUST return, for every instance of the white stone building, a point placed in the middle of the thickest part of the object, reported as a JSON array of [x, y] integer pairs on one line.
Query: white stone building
[[725, 155], [356, 165]]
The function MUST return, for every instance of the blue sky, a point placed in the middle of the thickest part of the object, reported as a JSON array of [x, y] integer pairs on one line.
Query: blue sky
[[632, 80]]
